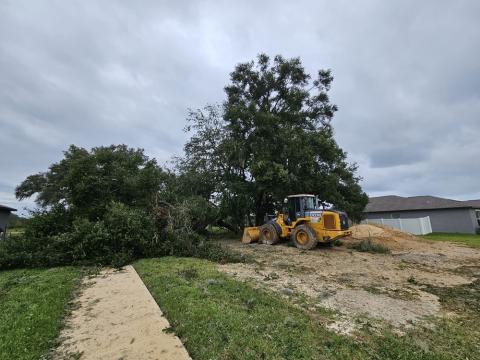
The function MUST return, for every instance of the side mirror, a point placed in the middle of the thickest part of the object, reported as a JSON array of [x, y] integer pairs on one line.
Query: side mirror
[[285, 201]]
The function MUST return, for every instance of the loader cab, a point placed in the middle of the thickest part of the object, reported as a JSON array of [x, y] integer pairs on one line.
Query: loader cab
[[298, 205]]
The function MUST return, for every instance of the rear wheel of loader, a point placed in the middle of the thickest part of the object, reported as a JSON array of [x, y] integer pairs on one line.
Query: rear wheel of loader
[[304, 237], [268, 234]]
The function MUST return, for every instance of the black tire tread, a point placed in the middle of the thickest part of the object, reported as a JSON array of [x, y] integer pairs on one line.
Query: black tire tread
[[274, 239], [312, 242]]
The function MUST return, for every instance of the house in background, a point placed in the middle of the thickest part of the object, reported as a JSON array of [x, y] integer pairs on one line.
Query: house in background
[[5, 212], [446, 215]]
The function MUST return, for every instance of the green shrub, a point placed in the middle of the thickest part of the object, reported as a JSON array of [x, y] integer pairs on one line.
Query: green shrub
[[338, 242], [50, 239], [371, 247], [46, 222], [55, 237], [190, 244], [176, 226], [119, 260], [412, 280]]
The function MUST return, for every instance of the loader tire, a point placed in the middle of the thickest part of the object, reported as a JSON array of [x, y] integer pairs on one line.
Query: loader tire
[[268, 234], [304, 237]]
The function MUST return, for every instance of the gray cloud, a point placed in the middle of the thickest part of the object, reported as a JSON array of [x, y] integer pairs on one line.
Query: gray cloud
[[407, 80]]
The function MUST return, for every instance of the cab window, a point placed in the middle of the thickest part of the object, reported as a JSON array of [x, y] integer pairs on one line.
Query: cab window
[[310, 203], [291, 209]]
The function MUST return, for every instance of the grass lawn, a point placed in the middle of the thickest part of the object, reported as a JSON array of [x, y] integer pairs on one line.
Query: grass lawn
[[218, 317], [466, 239], [15, 231], [32, 305]]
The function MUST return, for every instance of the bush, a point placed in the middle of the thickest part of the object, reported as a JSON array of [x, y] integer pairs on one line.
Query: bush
[[56, 237], [50, 240], [338, 242], [412, 280], [16, 222], [371, 247], [177, 226]]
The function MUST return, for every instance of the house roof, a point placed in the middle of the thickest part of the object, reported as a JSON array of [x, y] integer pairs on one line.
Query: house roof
[[399, 203], [7, 208], [474, 203]]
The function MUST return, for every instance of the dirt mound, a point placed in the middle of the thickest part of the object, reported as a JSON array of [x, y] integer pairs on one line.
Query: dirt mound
[[392, 238]]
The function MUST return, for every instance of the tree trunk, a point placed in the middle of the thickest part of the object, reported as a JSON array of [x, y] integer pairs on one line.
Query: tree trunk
[[259, 210], [228, 226], [259, 218]]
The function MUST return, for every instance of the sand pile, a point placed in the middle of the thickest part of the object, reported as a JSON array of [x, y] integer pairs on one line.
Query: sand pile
[[392, 238]]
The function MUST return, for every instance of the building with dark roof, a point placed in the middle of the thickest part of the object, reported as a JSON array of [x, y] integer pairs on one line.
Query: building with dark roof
[[4, 215], [446, 215]]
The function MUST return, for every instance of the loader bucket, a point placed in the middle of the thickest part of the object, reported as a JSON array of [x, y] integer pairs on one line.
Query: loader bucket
[[250, 234]]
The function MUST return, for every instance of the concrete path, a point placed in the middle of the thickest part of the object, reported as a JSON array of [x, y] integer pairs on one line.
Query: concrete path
[[117, 318]]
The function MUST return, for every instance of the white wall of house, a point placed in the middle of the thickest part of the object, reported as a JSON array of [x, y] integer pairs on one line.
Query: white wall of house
[[457, 220]]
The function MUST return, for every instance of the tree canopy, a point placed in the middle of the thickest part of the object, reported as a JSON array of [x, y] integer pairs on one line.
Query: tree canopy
[[272, 137], [86, 182], [109, 205]]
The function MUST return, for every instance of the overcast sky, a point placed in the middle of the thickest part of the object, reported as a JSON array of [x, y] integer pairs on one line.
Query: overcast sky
[[407, 80]]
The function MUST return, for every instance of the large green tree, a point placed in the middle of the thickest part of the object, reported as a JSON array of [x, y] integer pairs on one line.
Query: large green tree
[[87, 182], [272, 137]]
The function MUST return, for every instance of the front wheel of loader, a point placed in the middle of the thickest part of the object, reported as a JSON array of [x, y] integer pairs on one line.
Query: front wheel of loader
[[304, 237], [268, 234]]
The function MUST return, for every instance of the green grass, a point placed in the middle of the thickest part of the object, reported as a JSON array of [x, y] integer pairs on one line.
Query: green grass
[[32, 305], [458, 336], [466, 239], [218, 317], [15, 231]]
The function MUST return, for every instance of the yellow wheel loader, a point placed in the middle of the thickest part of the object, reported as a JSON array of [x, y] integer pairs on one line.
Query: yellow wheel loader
[[303, 222]]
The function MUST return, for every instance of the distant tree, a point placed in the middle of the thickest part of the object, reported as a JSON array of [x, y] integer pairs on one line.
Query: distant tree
[[86, 182], [272, 137], [16, 221]]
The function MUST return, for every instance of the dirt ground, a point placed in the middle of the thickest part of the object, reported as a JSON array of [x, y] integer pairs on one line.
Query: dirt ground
[[117, 318], [385, 287]]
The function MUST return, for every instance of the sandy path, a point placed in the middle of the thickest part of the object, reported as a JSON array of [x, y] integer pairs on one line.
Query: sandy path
[[117, 318]]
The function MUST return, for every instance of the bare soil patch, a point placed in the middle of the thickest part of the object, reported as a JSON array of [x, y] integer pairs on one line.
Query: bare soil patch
[[390, 288], [117, 318]]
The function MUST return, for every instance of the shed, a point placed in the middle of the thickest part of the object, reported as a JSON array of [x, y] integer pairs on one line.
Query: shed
[[5, 212]]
